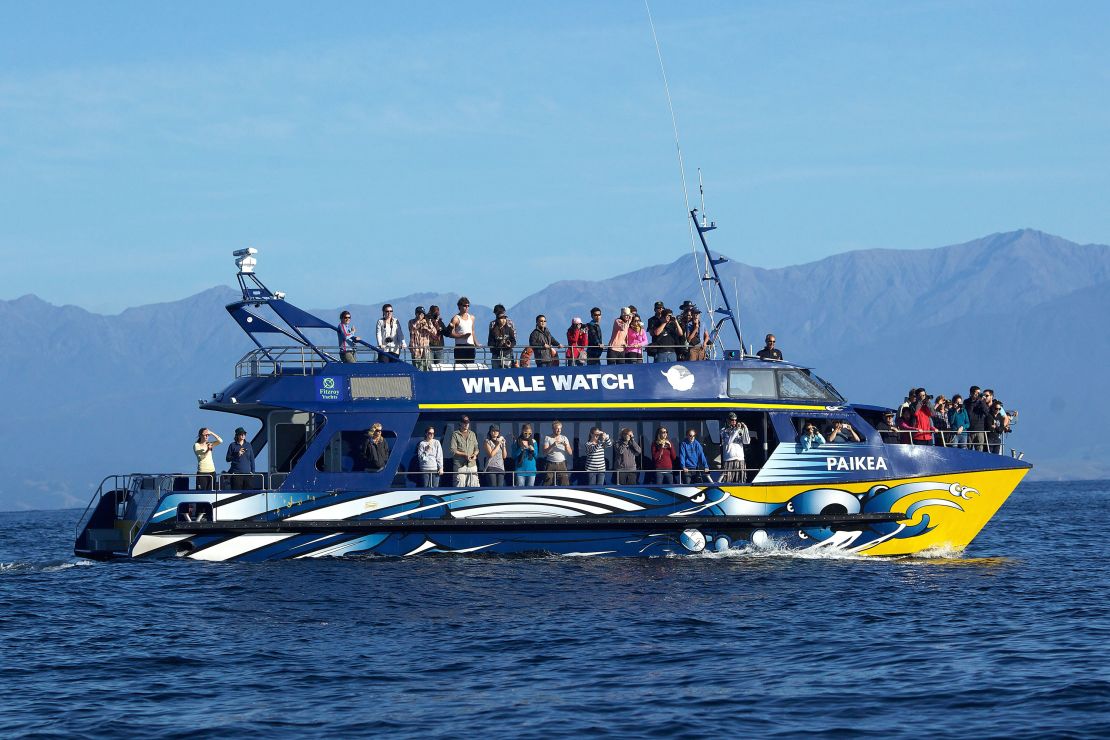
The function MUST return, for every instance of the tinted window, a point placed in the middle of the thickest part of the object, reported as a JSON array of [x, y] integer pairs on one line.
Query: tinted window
[[796, 384], [744, 383]]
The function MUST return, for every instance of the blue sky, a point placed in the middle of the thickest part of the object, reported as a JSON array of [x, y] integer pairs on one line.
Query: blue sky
[[372, 150]]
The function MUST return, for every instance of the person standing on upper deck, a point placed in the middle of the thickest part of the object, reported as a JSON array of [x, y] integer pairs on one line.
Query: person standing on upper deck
[[543, 344], [697, 338], [769, 351], [389, 334], [347, 338], [501, 340], [556, 452], [733, 438], [240, 456], [421, 333], [619, 336], [437, 330], [461, 329], [595, 339], [202, 448], [577, 341], [464, 451]]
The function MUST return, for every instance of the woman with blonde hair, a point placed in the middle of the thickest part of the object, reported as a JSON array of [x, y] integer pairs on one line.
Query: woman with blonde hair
[[202, 448]]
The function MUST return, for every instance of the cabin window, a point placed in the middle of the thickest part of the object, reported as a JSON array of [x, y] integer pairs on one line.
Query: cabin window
[[745, 383], [798, 384], [347, 452]]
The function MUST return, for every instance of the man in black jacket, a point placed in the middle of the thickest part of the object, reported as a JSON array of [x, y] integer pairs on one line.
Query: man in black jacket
[[594, 339], [543, 344]]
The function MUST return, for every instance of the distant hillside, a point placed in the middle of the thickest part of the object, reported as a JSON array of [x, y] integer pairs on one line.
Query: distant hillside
[[91, 394]]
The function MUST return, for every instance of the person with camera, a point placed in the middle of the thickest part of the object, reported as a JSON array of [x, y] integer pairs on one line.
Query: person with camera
[[375, 450], [635, 341], [626, 459], [347, 338], [524, 458], [421, 334], [619, 336], [697, 338], [437, 330], [577, 341], [240, 459], [666, 336], [734, 435], [841, 431], [389, 335], [543, 344], [595, 456], [496, 453], [501, 340], [556, 452], [923, 416], [691, 458], [958, 421]]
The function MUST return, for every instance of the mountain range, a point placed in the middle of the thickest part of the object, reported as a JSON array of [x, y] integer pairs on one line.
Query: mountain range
[[1022, 312]]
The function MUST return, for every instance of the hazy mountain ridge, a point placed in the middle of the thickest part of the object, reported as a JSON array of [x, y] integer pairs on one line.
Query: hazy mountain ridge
[[90, 394]]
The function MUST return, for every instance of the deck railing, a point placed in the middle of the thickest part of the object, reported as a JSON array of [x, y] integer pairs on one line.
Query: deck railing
[[302, 360]]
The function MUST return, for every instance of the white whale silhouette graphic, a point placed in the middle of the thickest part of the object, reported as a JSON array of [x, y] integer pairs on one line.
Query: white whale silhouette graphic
[[680, 378]]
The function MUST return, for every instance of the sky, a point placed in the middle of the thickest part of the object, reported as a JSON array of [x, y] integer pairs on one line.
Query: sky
[[373, 150]]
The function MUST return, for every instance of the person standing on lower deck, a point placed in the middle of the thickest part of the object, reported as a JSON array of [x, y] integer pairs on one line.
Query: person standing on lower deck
[[429, 454], [595, 456], [733, 438], [202, 448], [556, 452], [626, 458], [524, 457], [464, 450]]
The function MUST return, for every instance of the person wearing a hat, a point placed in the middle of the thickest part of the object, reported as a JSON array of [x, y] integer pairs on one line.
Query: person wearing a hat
[[501, 340], [663, 334], [696, 337], [886, 429], [734, 435], [421, 333], [619, 336], [577, 340], [240, 458]]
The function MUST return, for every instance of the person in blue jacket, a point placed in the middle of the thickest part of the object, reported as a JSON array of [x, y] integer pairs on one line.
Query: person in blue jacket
[[240, 455], [958, 421], [691, 458]]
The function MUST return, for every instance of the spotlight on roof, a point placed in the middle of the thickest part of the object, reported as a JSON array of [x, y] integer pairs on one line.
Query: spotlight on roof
[[244, 259]]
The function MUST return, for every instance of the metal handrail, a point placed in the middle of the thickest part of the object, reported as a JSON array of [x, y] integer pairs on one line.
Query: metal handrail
[[300, 360], [975, 439]]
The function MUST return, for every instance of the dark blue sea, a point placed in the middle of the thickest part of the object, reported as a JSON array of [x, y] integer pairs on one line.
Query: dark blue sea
[[1011, 639]]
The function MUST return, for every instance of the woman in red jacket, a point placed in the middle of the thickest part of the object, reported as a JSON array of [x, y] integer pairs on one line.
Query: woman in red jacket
[[577, 339], [663, 456]]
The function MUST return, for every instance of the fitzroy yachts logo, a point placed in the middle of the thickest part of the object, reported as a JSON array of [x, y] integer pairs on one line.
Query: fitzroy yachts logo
[[329, 389]]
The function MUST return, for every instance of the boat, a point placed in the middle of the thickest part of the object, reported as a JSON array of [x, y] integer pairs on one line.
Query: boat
[[313, 494]]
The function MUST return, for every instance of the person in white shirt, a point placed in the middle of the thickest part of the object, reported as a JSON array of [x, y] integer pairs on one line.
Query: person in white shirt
[[733, 438], [389, 334], [556, 451]]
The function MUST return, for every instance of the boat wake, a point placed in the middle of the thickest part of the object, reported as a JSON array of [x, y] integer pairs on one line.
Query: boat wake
[[46, 566]]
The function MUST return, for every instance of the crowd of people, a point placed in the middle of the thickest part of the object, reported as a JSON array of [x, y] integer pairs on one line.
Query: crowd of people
[[666, 336], [496, 461], [977, 422]]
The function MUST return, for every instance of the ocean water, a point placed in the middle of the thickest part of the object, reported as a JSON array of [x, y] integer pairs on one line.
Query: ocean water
[[1009, 639]]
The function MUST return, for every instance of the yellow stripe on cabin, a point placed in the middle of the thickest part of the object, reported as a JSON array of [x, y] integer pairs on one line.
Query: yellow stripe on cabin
[[624, 405]]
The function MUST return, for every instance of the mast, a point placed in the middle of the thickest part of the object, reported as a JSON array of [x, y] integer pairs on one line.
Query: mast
[[713, 276]]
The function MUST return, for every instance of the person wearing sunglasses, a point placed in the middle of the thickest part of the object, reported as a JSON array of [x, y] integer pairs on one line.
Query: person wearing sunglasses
[[769, 351], [390, 335], [429, 453]]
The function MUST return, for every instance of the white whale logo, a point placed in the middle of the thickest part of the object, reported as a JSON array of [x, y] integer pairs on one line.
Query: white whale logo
[[680, 378]]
